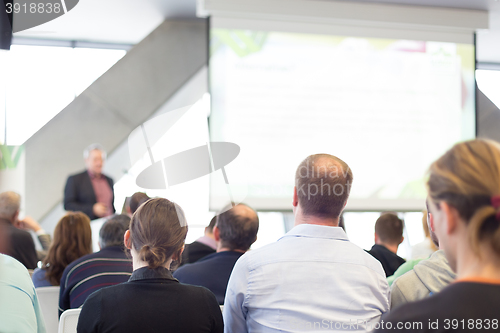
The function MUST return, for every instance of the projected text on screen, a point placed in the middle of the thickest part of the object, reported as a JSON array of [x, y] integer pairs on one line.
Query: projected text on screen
[[388, 108]]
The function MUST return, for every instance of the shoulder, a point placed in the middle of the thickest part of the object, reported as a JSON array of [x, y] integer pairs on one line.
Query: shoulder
[[39, 273], [442, 304], [109, 179], [185, 269], [420, 311], [78, 262], [77, 177], [21, 235], [15, 274]]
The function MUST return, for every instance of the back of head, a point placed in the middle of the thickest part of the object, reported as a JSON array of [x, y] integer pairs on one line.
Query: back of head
[[157, 232], [211, 225], [389, 228], [72, 240], [136, 200], [10, 202], [467, 177], [238, 227], [112, 231], [323, 184]]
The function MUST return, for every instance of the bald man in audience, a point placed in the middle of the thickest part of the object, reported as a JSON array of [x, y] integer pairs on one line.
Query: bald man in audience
[[313, 278], [235, 231], [388, 235]]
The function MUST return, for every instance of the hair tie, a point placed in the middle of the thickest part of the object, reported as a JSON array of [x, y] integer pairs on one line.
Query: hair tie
[[495, 202]]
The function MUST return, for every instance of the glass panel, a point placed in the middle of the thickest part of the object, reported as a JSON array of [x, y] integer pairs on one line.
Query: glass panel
[[42, 80], [488, 82]]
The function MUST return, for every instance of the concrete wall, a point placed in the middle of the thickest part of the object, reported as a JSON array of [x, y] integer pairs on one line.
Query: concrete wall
[[119, 101], [488, 118]]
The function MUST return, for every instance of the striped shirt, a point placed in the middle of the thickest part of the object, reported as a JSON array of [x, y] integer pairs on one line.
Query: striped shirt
[[92, 272]]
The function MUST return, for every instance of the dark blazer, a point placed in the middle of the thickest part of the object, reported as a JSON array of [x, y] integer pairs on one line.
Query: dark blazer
[[21, 245], [195, 251], [79, 194], [151, 301], [211, 272]]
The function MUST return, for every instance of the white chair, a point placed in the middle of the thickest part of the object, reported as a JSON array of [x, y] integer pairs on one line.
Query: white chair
[[69, 321], [48, 297]]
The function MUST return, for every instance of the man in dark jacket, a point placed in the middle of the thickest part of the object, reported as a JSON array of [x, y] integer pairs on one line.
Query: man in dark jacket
[[19, 243], [388, 236], [90, 191], [235, 231]]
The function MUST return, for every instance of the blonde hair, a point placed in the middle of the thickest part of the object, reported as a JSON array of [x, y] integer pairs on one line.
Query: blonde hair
[[467, 177]]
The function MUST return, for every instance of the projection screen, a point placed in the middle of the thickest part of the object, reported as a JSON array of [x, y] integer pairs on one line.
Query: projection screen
[[387, 107]]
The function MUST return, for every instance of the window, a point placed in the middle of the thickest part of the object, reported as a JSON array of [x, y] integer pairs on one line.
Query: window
[[488, 82], [38, 82]]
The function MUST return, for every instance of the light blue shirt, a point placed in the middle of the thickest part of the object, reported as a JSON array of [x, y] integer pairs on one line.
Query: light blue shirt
[[19, 308], [312, 279]]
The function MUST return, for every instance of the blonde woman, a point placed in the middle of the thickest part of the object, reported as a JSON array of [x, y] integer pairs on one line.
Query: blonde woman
[[464, 200]]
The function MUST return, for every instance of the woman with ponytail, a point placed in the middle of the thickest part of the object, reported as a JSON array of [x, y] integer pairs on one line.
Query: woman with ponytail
[[152, 300], [464, 200]]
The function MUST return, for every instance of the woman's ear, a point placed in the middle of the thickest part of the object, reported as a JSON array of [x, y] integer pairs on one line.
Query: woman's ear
[[451, 217], [126, 240]]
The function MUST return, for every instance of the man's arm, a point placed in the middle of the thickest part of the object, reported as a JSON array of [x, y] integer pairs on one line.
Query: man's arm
[[397, 296], [235, 311], [71, 199]]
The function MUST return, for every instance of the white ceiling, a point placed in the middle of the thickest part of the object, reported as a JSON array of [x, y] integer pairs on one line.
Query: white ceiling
[[129, 21]]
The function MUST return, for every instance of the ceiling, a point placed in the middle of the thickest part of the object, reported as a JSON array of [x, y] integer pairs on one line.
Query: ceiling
[[129, 21]]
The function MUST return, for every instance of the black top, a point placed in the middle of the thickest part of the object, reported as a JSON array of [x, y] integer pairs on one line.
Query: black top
[[195, 251], [211, 272], [21, 245], [151, 301], [79, 194], [389, 260], [460, 307]]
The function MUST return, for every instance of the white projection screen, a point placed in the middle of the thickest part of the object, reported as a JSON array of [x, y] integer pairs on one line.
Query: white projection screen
[[387, 107]]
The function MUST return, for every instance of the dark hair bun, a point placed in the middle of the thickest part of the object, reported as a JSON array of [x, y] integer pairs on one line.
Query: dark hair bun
[[154, 256]]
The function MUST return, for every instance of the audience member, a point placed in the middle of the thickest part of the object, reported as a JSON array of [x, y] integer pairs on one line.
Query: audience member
[[464, 202], [426, 278], [388, 236], [108, 267], [72, 240], [424, 249], [201, 247], [131, 206], [20, 243], [313, 275], [417, 252], [235, 231], [90, 191], [19, 307], [136, 200], [152, 300]]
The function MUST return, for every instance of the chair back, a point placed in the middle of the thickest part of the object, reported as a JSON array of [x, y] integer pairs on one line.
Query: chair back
[[48, 297], [69, 321]]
